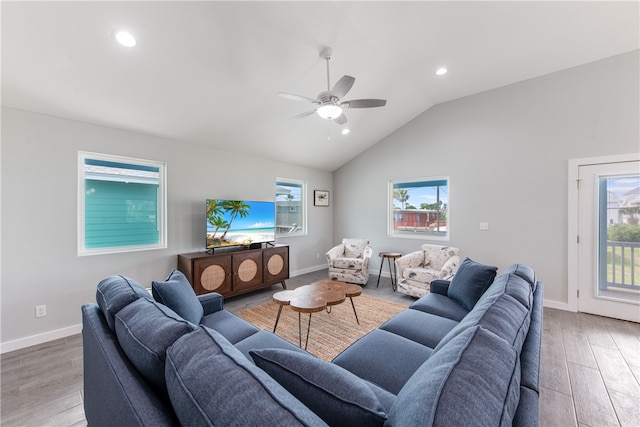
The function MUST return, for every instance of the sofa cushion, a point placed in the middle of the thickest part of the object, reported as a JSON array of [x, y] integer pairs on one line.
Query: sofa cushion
[[457, 386], [383, 358], [470, 282], [116, 292], [229, 325], [336, 395], [264, 339], [145, 329], [514, 286], [440, 305], [524, 272], [211, 383], [176, 293], [423, 328]]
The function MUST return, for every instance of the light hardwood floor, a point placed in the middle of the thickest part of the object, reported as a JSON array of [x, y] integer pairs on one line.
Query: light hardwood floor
[[590, 371]]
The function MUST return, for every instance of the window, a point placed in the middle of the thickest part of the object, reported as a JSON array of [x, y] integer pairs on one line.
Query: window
[[121, 204], [419, 208], [290, 207]]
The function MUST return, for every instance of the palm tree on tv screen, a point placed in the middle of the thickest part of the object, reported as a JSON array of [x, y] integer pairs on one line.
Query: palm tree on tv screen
[[237, 207]]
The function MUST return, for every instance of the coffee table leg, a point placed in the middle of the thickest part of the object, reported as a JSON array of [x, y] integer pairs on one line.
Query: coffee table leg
[[277, 319], [299, 330], [308, 332], [354, 310]]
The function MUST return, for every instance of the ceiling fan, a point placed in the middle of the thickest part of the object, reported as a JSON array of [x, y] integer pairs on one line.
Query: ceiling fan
[[328, 104]]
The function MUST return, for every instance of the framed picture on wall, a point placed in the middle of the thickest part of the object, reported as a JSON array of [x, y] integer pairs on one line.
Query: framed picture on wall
[[320, 198]]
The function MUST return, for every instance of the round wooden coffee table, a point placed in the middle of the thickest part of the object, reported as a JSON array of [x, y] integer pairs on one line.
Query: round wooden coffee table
[[314, 298]]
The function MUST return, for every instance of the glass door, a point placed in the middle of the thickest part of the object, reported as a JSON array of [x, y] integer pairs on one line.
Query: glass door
[[609, 240]]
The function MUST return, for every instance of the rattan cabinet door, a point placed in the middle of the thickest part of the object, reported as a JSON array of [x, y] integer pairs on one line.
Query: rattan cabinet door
[[247, 269], [212, 274], [276, 264]]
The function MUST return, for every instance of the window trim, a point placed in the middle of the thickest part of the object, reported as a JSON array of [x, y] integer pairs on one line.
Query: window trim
[[303, 205], [162, 203], [417, 234]]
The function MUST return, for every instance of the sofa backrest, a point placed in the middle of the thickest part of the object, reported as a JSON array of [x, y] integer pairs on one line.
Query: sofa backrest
[[116, 292], [504, 309], [435, 255], [473, 380]]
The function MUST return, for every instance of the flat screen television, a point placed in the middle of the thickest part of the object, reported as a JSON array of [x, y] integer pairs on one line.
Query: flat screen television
[[239, 223]]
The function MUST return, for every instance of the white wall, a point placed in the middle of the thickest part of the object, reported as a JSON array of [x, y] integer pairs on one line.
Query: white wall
[[507, 153], [39, 216]]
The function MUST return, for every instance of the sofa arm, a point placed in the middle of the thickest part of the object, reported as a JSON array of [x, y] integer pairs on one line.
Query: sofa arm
[[439, 286], [211, 302]]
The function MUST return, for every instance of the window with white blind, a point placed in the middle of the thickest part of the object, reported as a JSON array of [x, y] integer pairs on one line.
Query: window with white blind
[[121, 204]]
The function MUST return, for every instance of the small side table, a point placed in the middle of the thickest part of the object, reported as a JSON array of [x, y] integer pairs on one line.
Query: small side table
[[391, 260]]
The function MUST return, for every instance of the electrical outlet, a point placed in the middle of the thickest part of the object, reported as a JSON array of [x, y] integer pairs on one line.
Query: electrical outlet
[[484, 226], [41, 310]]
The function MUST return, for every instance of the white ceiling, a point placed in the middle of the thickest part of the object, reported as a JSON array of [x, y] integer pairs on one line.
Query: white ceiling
[[208, 72]]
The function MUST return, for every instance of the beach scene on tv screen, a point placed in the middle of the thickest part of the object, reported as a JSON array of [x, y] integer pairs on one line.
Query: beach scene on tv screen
[[239, 222]]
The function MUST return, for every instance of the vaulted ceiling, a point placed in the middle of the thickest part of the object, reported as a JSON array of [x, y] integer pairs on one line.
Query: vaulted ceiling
[[208, 72]]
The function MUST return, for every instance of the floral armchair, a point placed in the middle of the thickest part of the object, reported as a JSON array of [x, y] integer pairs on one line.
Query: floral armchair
[[349, 261], [417, 269]]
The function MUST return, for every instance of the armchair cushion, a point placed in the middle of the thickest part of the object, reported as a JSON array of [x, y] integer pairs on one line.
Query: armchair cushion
[[348, 263], [177, 294], [333, 393], [470, 282], [354, 248]]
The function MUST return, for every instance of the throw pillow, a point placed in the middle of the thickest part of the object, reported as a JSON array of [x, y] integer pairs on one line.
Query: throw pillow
[[336, 395], [210, 382], [470, 282], [145, 329], [177, 294], [354, 248], [116, 292]]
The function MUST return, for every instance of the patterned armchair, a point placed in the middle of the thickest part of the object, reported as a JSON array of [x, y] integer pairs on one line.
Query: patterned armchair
[[349, 261], [416, 270]]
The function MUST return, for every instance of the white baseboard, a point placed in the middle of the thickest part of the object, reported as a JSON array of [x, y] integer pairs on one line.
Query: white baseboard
[[25, 342], [307, 270], [558, 305]]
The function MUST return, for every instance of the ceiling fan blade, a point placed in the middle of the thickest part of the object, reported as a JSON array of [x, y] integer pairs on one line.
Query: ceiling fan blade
[[343, 86], [363, 103], [341, 119], [296, 97], [305, 114]]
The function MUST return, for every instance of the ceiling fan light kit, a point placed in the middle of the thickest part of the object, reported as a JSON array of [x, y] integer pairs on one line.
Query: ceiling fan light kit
[[327, 103], [329, 111]]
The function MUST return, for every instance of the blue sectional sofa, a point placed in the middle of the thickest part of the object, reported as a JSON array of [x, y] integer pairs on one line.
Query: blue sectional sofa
[[468, 353]]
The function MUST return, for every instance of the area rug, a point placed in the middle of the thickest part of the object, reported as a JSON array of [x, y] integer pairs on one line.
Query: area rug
[[330, 332]]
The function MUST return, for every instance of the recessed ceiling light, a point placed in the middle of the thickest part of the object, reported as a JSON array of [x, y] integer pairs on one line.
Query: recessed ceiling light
[[441, 71], [345, 131], [125, 38]]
